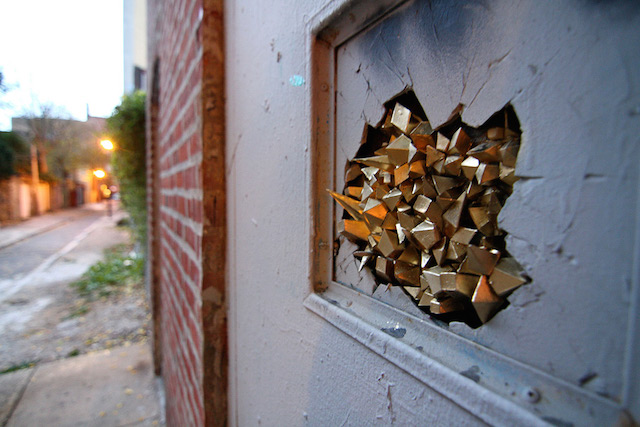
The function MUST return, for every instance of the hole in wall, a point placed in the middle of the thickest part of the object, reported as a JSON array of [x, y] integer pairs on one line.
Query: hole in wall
[[422, 206]]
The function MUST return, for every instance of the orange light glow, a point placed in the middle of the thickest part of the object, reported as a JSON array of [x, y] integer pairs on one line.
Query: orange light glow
[[99, 173], [106, 144]]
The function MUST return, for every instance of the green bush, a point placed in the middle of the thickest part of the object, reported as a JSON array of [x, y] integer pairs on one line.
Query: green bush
[[126, 127], [14, 155], [119, 269]]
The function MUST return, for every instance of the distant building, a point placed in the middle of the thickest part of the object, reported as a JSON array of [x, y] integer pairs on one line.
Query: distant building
[[135, 45], [76, 185]]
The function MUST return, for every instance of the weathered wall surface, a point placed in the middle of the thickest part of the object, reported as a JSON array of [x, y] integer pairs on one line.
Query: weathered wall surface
[[571, 73], [177, 140]]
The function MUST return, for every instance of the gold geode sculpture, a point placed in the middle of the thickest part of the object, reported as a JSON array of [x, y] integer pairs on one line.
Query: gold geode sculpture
[[422, 205]]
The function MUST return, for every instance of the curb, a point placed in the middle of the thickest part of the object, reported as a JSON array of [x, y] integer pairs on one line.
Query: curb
[[33, 233]]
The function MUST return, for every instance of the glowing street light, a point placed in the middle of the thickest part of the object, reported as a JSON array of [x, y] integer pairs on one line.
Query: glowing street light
[[99, 173], [106, 144]]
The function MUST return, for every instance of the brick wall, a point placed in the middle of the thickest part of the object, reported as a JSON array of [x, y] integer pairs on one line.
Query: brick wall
[[175, 204]]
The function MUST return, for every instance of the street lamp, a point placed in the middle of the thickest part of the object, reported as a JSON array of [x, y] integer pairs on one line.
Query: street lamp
[[99, 173], [106, 144]]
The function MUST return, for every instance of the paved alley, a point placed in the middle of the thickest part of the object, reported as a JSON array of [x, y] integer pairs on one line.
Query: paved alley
[[71, 359]]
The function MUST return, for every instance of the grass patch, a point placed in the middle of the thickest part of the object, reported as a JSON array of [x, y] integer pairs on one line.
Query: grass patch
[[73, 353], [23, 365], [121, 269]]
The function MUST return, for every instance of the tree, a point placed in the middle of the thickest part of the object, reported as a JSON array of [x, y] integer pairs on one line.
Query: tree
[[14, 155], [126, 127]]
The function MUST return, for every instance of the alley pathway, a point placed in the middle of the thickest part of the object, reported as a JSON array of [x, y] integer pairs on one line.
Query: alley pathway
[[53, 361]]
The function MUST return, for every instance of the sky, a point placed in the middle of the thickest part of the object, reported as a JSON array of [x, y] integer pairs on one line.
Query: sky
[[66, 52]]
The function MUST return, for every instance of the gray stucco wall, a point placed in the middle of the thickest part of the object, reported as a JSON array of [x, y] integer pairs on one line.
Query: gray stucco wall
[[572, 73]]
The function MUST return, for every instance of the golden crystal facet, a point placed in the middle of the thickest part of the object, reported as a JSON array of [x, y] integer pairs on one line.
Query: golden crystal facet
[[484, 300], [424, 209]]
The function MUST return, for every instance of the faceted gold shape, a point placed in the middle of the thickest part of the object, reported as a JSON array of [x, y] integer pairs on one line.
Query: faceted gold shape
[[448, 281], [407, 221], [445, 201], [352, 206], [352, 173], [433, 155], [389, 245], [390, 221], [434, 306], [463, 235], [381, 190], [421, 204], [401, 174], [447, 305], [430, 280], [453, 214], [375, 212], [452, 165], [384, 268], [410, 255], [486, 152], [425, 300], [366, 192], [506, 276], [401, 232], [425, 234], [407, 190], [353, 230], [484, 300], [473, 190], [421, 137], [442, 142], [439, 167], [370, 171], [407, 274], [460, 141], [480, 260], [401, 150], [444, 183], [354, 192], [466, 284], [439, 251], [491, 201], [425, 257], [403, 207], [495, 133], [400, 117], [416, 190], [428, 189], [509, 153], [417, 169], [508, 175], [413, 291], [469, 167], [481, 219], [487, 172], [412, 202], [380, 162], [392, 198], [456, 251]]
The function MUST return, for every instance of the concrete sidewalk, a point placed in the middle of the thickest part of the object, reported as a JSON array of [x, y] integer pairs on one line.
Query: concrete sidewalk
[[108, 388], [17, 232]]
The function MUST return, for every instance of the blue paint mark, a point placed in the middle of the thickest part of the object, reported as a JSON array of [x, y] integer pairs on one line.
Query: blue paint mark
[[396, 332], [296, 80]]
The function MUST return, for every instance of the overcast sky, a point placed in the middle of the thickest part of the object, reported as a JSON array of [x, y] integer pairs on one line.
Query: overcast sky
[[67, 52]]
